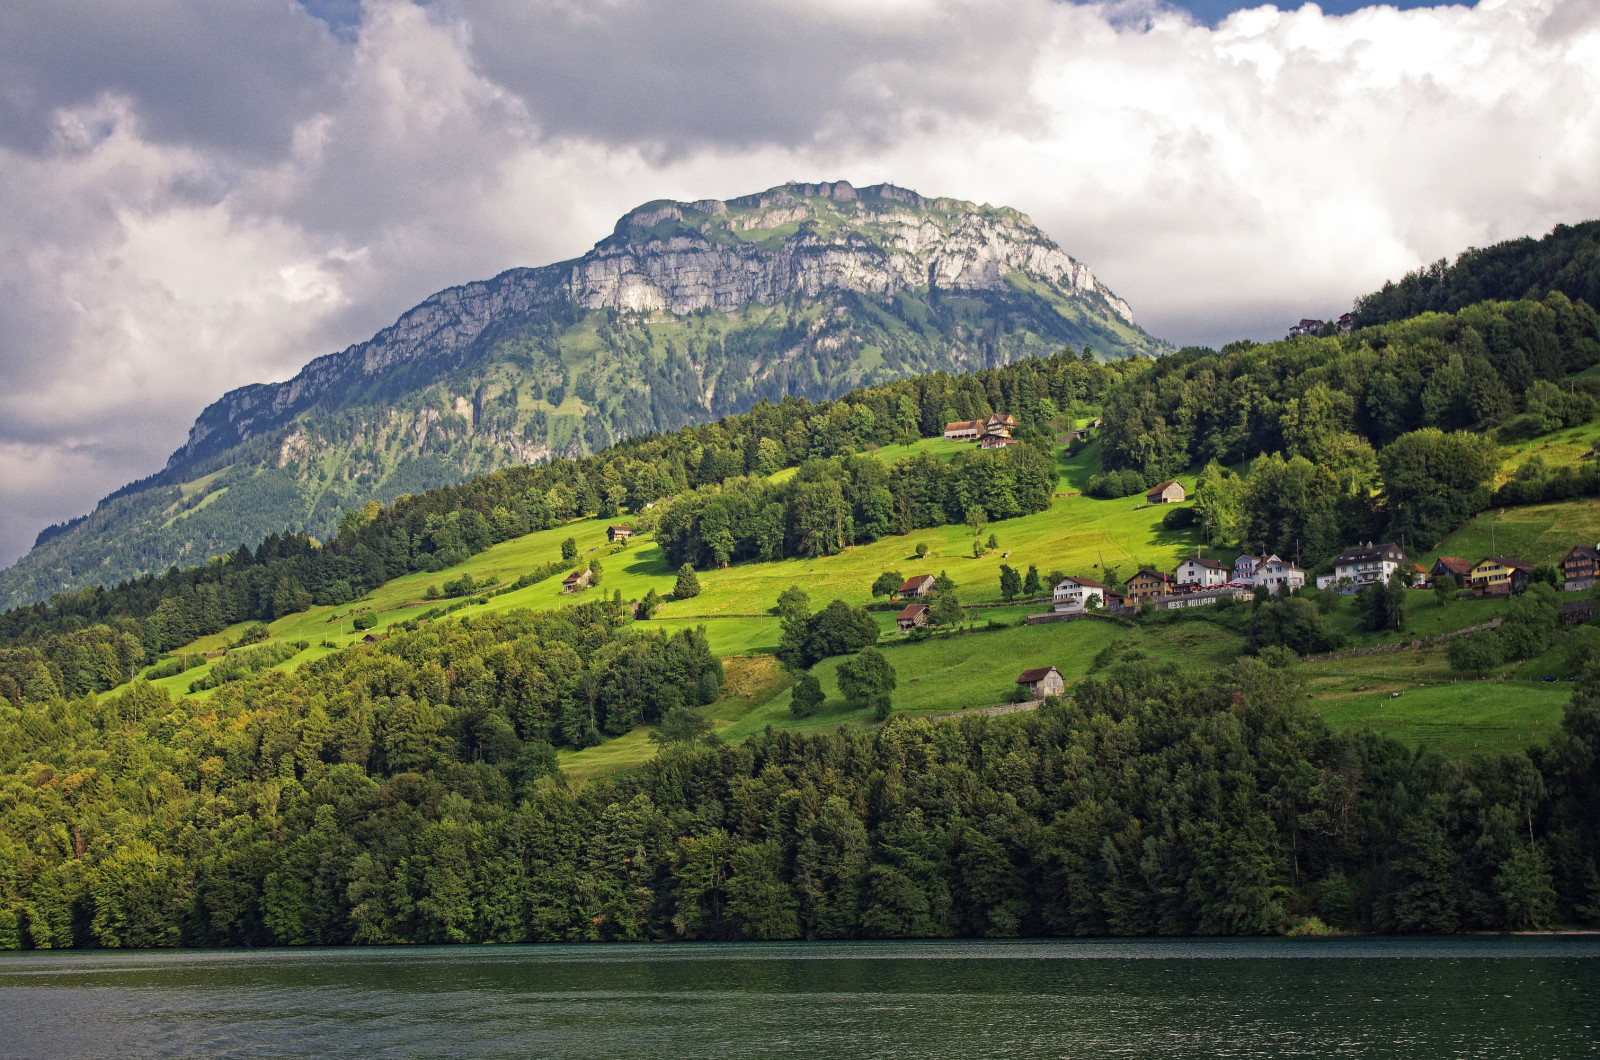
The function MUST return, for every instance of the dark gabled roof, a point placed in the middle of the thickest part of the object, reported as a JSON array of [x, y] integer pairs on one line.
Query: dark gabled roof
[[1210, 563], [1506, 561], [1158, 575], [1454, 564], [1086, 583], [915, 580], [622, 526], [1388, 550], [574, 576], [1164, 485], [911, 611], [1583, 552], [1034, 676]]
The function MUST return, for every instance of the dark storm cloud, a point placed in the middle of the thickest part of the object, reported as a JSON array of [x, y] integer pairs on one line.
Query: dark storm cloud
[[235, 75], [740, 73]]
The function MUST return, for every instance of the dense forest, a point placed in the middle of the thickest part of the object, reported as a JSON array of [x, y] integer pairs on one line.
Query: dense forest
[[1387, 433], [96, 638], [1565, 260], [406, 792]]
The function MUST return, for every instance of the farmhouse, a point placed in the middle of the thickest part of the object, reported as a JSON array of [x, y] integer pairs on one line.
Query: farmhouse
[[578, 579], [1499, 576], [913, 617], [1579, 568], [963, 430], [1169, 492], [618, 533], [917, 585], [1279, 575], [1046, 681], [1150, 585], [1073, 595], [1202, 572], [374, 638], [1453, 566]]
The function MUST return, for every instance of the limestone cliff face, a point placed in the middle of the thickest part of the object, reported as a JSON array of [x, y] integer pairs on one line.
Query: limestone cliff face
[[806, 239]]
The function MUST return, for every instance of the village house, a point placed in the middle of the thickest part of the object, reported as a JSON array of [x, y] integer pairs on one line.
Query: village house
[[1202, 597], [1364, 565], [1169, 492], [618, 533], [1347, 323], [996, 441], [1452, 566], [1203, 573], [1074, 594], [1118, 604], [1579, 568], [963, 430], [1279, 575], [1150, 585], [1001, 425], [1244, 568], [1307, 326], [915, 616], [578, 579], [1499, 576], [1045, 681], [375, 638], [917, 585]]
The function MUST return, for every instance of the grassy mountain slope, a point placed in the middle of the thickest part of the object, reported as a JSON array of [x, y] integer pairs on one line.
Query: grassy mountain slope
[[687, 312]]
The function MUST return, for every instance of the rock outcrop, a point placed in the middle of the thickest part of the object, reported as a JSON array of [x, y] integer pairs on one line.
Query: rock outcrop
[[680, 257]]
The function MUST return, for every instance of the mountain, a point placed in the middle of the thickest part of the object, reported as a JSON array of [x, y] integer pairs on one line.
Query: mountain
[[685, 313], [1566, 260]]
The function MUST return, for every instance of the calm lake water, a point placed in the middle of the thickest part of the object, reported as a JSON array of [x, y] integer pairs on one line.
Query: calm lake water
[[1272, 998]]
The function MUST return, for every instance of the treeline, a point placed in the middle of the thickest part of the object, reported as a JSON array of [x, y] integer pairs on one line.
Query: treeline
[[1379, 434], [829, 505], [1565, 260], [404, 794], [430, 531]]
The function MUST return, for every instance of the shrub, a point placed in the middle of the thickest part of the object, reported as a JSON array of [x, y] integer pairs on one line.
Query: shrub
[[688, 585]]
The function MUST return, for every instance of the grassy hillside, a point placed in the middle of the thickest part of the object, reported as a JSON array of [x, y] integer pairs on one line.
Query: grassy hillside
[[977, 668]]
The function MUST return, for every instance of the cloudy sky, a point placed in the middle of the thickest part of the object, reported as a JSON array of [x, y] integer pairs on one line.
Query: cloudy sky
[[198, 194]]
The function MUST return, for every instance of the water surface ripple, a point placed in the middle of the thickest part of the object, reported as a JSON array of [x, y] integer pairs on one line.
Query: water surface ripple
[[1489, 997]]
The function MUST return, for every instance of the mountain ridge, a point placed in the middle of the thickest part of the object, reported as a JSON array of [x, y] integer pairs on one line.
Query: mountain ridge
[[685, 312]]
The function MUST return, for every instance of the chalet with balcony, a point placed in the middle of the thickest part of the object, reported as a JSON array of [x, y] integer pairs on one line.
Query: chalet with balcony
[[1364, 565], [1151, 585], [1072, 595], [1499, 576], [1579, 568]]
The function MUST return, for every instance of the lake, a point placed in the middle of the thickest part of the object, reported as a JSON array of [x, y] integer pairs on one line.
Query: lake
[[1463, 997]]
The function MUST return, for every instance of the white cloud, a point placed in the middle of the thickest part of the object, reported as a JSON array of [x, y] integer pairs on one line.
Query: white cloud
[[279, 191]]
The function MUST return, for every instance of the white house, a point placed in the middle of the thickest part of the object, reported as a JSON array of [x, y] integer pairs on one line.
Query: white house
[[1074, 594], [1279, 575], [1364, 565], [1205, 573]]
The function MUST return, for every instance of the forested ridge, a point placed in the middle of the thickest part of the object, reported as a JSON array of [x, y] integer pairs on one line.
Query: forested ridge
[[1385, 434], [406, 793], [1567, 259], [97, 638]]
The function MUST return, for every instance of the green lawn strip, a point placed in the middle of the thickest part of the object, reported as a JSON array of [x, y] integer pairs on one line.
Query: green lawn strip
[[1538, 533], [1461, 719], [1563, 448]]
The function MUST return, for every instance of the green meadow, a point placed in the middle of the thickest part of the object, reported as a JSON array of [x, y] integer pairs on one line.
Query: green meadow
[[977, 667]]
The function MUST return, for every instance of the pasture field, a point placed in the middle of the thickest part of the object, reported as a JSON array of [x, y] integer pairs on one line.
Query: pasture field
[[1538, 533]]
